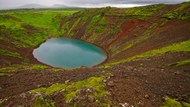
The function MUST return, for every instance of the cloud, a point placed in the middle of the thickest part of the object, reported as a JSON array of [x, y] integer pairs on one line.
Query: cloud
[[109, 4], [4, 4], [81, 2]]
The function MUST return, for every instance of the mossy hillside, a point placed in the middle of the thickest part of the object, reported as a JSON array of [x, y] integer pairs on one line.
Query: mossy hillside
[[65, 27], [144, 12], [182, 12], [101, 25], [147, 34], [42, 102], [99, 29], [27, 67], [105, 28], [176, 47], [94, 20], [32, 27], [69, 90], [82, 19], [93, 12], [181, 63], [73, 26], [8, 53]]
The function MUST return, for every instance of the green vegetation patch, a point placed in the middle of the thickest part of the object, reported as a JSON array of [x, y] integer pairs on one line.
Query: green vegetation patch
[[2, 101], [70, 90], [41, 102], [179, 13], [143, 37], [94, 20], [24, 67], [37, 67], [8, 53], [176, 47], [101, 26], [173, 103], [74, 25], [31, 27], [145, 11], [181, 63]]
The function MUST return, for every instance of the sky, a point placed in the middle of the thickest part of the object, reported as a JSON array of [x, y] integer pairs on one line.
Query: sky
[[6, 4]]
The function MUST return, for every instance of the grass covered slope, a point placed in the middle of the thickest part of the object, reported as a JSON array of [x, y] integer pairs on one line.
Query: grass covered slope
[[22, 29], [148, 57]]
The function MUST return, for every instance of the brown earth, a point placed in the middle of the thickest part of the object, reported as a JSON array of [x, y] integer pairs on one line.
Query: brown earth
[[146, 82], [23, 81]]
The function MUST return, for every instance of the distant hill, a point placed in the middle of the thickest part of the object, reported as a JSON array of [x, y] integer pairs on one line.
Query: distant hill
[[60, 6], [33, 6], [42, 6]]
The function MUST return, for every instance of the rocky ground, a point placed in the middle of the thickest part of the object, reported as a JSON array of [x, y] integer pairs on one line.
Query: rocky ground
[[146, 82]]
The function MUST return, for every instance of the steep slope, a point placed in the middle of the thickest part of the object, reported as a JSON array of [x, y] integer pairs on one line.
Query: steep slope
[[148, 49]]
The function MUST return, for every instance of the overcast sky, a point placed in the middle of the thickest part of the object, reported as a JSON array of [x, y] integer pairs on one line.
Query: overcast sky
[[4, 4]]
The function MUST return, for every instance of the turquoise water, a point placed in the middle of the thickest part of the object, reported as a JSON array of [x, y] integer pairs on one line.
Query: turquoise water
[[69, 53]]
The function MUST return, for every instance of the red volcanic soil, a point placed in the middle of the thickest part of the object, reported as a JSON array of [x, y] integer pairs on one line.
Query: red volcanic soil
[[125, 29]]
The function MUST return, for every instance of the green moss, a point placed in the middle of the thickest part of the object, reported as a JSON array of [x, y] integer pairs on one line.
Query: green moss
[[185, 104], [2, 101], [163, 22], [56, 69], [93, 21], [84, 18], [21, 67], [101, 26], [50, 90], [2, 74], [69, 90], [7, 69], [38, 67], [74, 25], [176, 47], [66, 26], [41, 102], [29, 28], [173, 103], [180, 12], [144, 12], [181, 63], [8, 53]]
